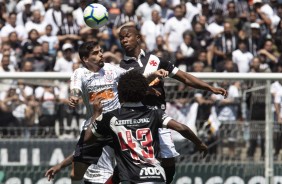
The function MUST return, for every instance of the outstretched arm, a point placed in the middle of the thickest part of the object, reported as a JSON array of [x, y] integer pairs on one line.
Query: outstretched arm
[[194, 82], [188, 134], [56, 168]]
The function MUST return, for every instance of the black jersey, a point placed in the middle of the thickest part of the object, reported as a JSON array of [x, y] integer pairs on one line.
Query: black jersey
[[134, 130], [146, 64]]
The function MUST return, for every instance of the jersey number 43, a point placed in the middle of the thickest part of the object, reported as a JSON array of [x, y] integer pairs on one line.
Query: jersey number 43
[[142, 145]]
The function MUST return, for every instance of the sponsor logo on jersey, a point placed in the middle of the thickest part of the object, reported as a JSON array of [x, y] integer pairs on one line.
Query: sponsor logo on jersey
[[150, 172], [132, 121], [109, 76]]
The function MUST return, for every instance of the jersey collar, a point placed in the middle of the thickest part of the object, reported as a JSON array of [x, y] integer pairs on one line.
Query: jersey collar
[[132, 104], [142, 53]]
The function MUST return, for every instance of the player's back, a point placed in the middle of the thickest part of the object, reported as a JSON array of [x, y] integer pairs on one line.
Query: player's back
[[134, 128]]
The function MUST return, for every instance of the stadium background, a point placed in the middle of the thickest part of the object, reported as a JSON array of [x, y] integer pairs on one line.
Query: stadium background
[[38, 130]]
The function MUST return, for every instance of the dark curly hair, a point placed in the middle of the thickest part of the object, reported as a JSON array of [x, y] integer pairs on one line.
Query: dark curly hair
[[132, 87]]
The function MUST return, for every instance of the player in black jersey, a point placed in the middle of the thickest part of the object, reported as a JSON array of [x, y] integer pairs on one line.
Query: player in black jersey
[[133, 128], [136, 58]]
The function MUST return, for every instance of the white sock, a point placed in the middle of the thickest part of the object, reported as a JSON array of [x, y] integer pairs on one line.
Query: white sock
[[76, 181]]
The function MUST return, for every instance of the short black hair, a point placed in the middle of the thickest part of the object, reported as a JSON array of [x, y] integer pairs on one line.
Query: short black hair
[[85, 49], [132, 87], [133, 29]]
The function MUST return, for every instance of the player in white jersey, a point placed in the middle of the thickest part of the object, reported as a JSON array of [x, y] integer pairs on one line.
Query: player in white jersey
[[95, 79]]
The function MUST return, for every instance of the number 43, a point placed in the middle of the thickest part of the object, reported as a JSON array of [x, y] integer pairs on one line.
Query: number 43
[[144, 136]]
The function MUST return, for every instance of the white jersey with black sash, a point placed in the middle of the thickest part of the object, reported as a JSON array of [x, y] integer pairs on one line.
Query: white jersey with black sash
[[133, 128], [146, 64]]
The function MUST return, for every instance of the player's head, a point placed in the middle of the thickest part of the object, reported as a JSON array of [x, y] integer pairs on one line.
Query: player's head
[[91, 55], [132, 87], [130, 38]]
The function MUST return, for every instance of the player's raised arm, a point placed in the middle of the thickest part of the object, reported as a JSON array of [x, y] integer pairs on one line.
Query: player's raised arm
[[188, 134], [193, 81]]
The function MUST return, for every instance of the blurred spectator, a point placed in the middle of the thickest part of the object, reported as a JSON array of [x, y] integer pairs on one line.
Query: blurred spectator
[[257, 66], [69, 26], [198, 67], [16, 48], [151, 29], [7, 50], [55, 16], [24, 15], [36, 22], [228, 111], [48, 99], [186, 52], [267, 15], [216, 27], [5, 64], [35, 5], [203, 58], [216, 5], [38, 61], [231, 17], [224, 45], [193, 8], [161, 48], [9, 100], [144, 10], [242, 57], [47, 56], [27, 66], [227, 66], [29, 44], [269, 54], [174, 29], [52, 40], [202, 36], [11, 26], [166, 11], [65, 63]]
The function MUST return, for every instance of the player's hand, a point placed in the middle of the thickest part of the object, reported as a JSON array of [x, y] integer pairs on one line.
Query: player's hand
[[203, 149], [161, 73], [97, 106], [52, 171], [220, 91], [73, 101]]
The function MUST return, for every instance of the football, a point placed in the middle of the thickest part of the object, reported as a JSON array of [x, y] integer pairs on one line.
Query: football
[[95, 15]]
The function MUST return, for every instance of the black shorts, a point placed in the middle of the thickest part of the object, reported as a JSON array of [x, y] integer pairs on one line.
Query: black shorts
[[89, 153]]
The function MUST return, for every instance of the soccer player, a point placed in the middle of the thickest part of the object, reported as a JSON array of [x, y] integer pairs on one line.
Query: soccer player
[[146, 63], [95, 79], [133, 127]]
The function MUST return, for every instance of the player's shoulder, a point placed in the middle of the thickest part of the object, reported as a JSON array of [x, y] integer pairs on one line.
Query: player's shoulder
[[80, 70], [108, 66]]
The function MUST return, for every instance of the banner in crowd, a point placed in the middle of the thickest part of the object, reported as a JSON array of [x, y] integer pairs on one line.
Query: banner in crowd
[[26, 161]]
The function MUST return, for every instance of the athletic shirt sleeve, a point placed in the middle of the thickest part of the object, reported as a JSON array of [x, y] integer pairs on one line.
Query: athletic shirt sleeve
[[101, 127], [119, 71], [168, 66], [76, 79], [164, 118]]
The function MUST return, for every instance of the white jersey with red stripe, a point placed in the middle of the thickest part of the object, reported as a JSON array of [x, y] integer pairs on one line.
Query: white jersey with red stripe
[[104, 84]]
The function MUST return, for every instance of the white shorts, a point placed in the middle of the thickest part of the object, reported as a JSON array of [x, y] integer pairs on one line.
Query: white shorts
[[167, 147]]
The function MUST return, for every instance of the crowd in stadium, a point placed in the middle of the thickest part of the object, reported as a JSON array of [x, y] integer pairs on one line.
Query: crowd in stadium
[[196, 35]]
